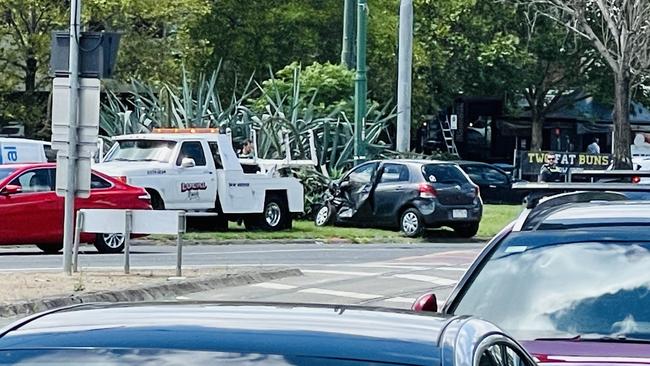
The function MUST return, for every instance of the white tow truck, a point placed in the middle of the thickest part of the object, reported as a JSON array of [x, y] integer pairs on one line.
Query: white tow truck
[[198, 171]]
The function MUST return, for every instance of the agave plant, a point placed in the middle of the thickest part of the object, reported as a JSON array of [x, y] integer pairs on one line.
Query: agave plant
[[294, 114]]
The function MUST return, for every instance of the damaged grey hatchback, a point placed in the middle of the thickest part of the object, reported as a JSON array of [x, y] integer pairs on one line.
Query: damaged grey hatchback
[[411, 195]]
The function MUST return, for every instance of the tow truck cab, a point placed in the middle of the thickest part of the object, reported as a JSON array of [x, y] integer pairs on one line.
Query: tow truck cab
[[201, 173]]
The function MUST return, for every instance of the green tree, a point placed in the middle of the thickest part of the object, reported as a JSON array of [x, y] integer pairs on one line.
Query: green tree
[[249, 36], [324, 87], [156, 39]]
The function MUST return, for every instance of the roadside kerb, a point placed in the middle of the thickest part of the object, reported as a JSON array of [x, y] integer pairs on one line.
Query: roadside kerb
[[148, 293]]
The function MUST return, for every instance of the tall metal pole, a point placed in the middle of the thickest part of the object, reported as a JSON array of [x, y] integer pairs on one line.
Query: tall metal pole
[[361, 87], [347, 47], [404, 76], [68, 220]]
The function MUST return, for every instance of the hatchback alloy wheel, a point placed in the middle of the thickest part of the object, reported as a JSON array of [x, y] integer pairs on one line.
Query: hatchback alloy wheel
[[323, 215], [411, 223]]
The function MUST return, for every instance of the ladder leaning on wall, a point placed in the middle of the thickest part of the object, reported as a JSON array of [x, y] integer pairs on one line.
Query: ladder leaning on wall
[[448, 136]]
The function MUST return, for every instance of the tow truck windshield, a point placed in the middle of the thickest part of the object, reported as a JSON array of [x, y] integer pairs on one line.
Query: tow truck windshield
[[142, 150]]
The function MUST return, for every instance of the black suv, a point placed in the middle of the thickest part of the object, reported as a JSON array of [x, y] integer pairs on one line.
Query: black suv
[[408, 194]]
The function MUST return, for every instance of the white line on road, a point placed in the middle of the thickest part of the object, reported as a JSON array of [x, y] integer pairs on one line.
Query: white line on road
[[430, 279], [385, 265], [274, 286], [452, 269], [354, 295], [401, 300], [346, 273]]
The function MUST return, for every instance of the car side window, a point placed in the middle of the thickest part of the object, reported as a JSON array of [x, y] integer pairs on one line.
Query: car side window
[[485, 175], [494, 176], [501, 355], [192, 150], [363, 174], [394, 173], [37, 180], [96, 182], [214, 150]]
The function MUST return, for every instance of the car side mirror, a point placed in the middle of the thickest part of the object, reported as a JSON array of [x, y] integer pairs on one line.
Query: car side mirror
[[188, 163], [11, 189], [426, 303]]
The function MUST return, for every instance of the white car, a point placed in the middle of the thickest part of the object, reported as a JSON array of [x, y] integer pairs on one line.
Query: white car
[[200, 173]]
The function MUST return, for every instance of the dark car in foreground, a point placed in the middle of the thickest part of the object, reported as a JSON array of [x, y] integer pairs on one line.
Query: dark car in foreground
[[570, 281], [494, 182], [407, 194], [248, 334]]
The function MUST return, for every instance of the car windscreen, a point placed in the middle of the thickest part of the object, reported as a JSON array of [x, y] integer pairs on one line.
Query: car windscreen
[[5, 172], [142, 150], [595, 289], [443, 173]]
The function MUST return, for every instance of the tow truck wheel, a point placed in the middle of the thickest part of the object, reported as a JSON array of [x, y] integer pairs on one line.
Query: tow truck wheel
[[274, 217], [109, 243]]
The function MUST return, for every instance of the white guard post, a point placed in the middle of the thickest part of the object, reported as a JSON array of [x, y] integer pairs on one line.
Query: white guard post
[[129, 222]]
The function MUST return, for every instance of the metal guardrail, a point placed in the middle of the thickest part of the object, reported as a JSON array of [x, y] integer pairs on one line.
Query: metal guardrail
[[127, 222]]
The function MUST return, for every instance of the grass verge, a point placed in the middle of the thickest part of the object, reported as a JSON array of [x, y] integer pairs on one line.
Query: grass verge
[[495, 217]]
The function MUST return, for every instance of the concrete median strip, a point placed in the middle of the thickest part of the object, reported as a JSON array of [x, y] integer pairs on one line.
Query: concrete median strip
[[158, 291]]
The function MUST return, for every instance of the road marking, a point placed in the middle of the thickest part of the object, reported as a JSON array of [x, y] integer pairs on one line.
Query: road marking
[[354, 295], [388, 265], [401, 300], [348, 273], [274, 286], [430, 279], [452, 269]]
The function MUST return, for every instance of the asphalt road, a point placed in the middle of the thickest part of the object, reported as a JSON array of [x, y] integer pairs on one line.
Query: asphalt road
[[390, 275]]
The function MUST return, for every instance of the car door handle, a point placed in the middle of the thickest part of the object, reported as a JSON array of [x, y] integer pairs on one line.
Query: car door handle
[[492, 186], [399, 188]]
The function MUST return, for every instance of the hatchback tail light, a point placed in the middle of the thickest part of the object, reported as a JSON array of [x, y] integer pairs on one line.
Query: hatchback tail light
[[427, 191], [636, 180]]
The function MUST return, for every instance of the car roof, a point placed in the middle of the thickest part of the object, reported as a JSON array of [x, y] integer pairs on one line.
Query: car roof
[[413, 161], [331, 331], [597, 214], [28, 165]]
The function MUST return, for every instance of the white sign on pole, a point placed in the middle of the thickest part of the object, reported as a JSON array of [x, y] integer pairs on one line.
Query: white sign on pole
[[87, 132], [453, 122]]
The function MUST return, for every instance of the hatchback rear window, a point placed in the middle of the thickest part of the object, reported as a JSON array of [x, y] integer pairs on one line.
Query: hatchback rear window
[[443, 173]]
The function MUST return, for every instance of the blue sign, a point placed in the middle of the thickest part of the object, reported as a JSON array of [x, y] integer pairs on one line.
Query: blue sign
[[12, 153]]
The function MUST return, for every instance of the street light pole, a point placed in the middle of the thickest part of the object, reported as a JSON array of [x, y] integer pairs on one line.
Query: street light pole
[[404, 76], [361, 85], [73, 68], [347, 54]]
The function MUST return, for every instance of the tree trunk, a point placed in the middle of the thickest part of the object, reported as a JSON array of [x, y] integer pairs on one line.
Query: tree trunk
[[537, 131], [622, 132], [30, 75]]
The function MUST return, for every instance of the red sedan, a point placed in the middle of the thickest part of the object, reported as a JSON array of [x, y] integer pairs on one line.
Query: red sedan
[[32, 213]]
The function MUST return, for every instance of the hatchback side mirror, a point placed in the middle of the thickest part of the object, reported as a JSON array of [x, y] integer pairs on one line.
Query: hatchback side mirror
[[188, 163], [10, 189], [426, 303]]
